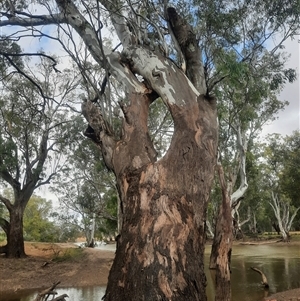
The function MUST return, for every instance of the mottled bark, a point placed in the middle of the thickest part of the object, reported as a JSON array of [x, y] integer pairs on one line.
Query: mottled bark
[[222, 244], [234, 198], [161, 244]]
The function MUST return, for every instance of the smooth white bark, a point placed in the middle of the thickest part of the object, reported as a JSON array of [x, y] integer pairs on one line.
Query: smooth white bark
[[282, 214]]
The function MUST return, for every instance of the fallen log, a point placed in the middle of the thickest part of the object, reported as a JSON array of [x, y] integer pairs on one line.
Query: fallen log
[[263, 276]]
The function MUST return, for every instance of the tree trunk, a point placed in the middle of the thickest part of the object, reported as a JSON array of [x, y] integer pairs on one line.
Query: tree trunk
[[222, 244], [15, 240], [160, 249], [283, 232]]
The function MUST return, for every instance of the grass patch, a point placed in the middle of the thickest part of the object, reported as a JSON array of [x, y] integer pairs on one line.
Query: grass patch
[[72, 254], [2, 239]]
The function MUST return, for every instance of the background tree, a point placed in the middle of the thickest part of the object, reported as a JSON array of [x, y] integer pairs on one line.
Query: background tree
[[33, 132], [67, 225], [248, 100], [281, 175], [84, 186]]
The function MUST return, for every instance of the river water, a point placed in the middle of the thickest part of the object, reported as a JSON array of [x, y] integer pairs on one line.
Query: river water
[[280, 263]]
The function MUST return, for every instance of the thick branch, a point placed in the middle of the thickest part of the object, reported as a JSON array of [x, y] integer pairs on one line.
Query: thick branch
[[34, 20], [99, 131], [6, 202], [189, 46], [292, 219], [163, 76], [84, 29], [246, 220], [6, 176], [120, 23], [4, 224], [242, 146], [31, 182]]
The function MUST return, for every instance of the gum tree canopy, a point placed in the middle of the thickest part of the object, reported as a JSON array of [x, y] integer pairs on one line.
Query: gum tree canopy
[[163, 201]]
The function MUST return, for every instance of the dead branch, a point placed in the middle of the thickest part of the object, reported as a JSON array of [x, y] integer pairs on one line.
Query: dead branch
[[263, 276], [61, 298], [45, 293]]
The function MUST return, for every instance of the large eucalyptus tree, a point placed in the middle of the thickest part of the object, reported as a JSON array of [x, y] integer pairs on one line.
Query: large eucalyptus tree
[[161, 243], [33, 132]]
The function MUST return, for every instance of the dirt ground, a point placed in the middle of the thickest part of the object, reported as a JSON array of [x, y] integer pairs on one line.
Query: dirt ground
[[48, 263], [73, 267]]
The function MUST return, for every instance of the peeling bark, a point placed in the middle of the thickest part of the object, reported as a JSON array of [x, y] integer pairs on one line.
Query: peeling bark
[[222, 244], [161, 243]]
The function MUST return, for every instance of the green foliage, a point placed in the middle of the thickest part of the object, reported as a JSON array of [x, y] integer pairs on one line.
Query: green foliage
[[289, 177], [86, 189], [109, 225], [2, 237], [37, 224], [67, 227], [9, 47], [281, 169]]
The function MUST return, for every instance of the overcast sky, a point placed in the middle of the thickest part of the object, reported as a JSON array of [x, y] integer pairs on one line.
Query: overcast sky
[[289, 119]]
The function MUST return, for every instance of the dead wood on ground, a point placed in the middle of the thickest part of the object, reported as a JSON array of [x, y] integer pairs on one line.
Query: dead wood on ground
[[263, 276], [44, 295]]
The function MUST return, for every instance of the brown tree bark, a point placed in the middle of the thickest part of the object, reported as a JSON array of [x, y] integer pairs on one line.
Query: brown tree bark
[[15, 240], [222, 244], [161, 243]]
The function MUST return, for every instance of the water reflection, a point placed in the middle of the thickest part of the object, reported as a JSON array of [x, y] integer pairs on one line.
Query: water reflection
[[281, 264]]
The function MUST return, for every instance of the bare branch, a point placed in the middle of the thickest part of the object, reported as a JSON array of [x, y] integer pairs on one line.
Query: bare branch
[[25, 75], [32, 54], [32, 20]]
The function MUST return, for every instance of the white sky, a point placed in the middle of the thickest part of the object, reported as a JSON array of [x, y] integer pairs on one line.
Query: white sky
[[289, 119]]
